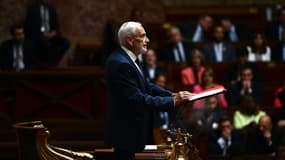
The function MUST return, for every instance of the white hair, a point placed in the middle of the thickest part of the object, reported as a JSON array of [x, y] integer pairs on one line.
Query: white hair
[[127, 29]]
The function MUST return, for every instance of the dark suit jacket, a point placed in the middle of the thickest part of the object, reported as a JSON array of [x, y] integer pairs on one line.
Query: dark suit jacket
[[234, 95], [237, 143], [233, 71], [188, 28], [272, 31], [157, 70], [33, 21], [229, 52], [256, 143], [277, 53], [29, 53], [131, 100], [167, 53]]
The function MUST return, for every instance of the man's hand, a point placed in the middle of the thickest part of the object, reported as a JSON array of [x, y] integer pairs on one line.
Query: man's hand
[[181, 97]]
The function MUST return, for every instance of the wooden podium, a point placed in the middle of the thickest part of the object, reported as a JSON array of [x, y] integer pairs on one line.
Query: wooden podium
[[161, 154]]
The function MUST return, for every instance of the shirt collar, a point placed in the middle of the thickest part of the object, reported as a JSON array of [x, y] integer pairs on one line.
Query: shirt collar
[[233, 28], [130, 54]]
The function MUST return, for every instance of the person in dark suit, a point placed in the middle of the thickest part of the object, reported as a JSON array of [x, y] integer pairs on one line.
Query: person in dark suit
[[274, 30], [197, 31], [247, 85], [208, 116], [225, 141], [41, 25], [131, 98], [278, 51], [232, 74], [150, 67], [235, 32], [264, 138], [177, 50], [18, 53], [218, 50]]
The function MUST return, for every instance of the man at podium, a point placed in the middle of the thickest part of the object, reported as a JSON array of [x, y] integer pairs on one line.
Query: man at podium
[[131, 98]]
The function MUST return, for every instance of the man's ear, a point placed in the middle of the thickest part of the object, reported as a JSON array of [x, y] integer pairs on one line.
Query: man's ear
[[130, 41]]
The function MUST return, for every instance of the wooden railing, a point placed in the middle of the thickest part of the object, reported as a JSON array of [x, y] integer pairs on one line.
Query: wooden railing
[[51, 94]]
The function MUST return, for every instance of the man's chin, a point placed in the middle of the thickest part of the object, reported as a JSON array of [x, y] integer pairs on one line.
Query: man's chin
[[143, 50]]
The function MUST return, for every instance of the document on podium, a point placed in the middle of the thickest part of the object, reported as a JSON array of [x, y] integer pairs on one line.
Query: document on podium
[[208, 92]]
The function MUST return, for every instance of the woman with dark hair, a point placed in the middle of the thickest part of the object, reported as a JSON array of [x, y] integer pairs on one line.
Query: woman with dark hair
[[192, 74], [247, 113], [258, 49], [208, 81]]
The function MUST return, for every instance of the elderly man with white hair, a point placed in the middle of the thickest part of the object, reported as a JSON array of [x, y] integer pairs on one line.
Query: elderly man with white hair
[[132, 99]]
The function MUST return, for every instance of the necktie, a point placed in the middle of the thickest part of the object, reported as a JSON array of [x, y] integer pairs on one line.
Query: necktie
[[138, 63], [226, 147], [180, 56]]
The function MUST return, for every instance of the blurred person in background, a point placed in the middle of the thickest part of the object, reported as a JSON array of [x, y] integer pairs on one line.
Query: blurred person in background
[[280, 112], [248, 113], [218, 50], [263, 139], [247, 85], [226, 141], [208, 116], [235, 32], [42, 26], [18, 53], [258, 49], [150, 67], [278, 51], [177, 49], [274, 29], [233, 72], [192, 74], [208, 81], [277, 101], [197, 31]]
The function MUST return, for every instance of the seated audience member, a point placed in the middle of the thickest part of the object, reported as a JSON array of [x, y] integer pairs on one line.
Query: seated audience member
[[197, 31], [208, 116], [150, 67], [258, 49], [208, 81], [18, 53], [280, 112], [225, 141], [218, 50], [235, 32], [161, 119], [277, 100], [232, 74], [42, 26], [247, 85], [264, 138], [274, 29], [177, 49], [248, 113], [192, 74], [278, 52]]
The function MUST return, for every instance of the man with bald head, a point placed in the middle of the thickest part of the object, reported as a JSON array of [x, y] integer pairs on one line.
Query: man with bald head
[[264, 139], [131, 98]]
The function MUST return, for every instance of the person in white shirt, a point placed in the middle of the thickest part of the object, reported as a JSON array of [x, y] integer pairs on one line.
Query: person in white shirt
[[258, 50]]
